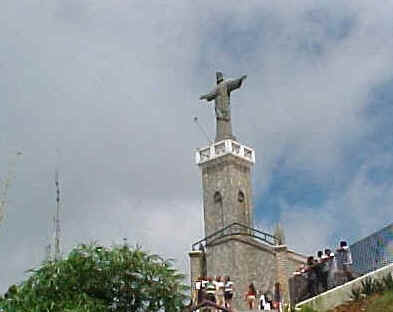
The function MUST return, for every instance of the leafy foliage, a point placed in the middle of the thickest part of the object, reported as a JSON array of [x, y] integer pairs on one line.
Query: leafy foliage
[[307, 309], [368, 286], [371, 286], [378, 286], [382, 303], [356, 293], [388, 281], [95, 278]]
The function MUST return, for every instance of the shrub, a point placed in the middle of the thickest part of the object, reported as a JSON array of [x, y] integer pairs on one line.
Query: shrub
[[378, 287], [95, 278], [356, 294], [388, 281], [368, 286]]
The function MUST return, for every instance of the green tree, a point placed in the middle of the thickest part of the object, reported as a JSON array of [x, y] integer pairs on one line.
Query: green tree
[[94, 278]]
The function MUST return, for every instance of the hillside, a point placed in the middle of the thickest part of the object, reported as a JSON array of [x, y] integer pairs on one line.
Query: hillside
[[376, 303]]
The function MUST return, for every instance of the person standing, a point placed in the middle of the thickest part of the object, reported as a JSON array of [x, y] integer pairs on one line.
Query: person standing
[[264, 303], [346, 259], [220, 292], [228, 292], [324, 270], [332, 264], [277, 297], [211, 290], [251, 296], [311, 277], [197, 291]]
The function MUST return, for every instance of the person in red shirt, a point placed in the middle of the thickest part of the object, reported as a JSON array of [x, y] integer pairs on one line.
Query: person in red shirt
[[251, 296]]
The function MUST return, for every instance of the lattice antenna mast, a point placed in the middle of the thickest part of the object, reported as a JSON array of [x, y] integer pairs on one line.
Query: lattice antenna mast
[[48, 252], [6, 185], [57, 218], [202, 130]]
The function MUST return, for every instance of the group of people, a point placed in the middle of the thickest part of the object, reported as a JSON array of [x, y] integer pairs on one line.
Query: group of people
[[327, 270], [219, 291]]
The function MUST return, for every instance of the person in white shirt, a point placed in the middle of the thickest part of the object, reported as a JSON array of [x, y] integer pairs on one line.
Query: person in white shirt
[[324, 269], [210, 290], [196, 291], [264, 305], [332, 265], [346, 260], [220, 291]]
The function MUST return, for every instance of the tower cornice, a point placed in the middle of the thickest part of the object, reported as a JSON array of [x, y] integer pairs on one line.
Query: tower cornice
[[223, 148]]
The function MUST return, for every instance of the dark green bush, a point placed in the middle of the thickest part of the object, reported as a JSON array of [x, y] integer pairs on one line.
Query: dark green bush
[[368, 286], [95, 278], [356, 293], [388, 281], [378, 287]]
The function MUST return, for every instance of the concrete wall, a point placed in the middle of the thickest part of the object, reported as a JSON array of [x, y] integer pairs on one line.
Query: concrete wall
[[342, 294], [245, 261]]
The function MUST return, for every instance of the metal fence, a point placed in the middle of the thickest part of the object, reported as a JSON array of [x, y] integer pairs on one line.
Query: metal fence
[[236, 229], [373, 251]]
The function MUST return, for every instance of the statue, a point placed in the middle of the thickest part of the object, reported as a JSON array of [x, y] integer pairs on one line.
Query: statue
[[221, 96]]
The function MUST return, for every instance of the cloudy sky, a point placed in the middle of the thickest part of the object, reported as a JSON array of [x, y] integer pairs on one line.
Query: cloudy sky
[[107, 90]]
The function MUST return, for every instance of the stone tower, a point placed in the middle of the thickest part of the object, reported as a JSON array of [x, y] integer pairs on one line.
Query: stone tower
[[231, 245], [226, 183]]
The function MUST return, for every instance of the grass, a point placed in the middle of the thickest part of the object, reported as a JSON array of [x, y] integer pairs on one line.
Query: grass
[[383, 303], [375, 303], [371, 296], [307, 309]]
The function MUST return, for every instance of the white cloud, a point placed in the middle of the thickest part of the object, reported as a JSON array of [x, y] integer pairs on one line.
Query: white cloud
[[362, 208]]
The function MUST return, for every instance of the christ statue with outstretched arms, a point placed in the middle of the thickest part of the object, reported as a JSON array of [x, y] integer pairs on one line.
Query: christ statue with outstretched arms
[[221, 97]]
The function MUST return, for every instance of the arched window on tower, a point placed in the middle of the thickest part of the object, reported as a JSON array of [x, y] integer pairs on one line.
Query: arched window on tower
[[240, 196], [219, 207], [243, 207], [217, 197]]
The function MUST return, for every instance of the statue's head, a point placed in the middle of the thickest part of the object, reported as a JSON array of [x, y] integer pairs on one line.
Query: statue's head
[[219, 76]]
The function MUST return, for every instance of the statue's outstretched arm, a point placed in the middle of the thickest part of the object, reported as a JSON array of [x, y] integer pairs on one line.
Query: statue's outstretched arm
[[210, 96], [236, 83]]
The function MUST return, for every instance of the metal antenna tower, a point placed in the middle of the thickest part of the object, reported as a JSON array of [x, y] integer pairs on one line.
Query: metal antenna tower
[[5, 184], [57, 218], [48, 252], [202, 130]]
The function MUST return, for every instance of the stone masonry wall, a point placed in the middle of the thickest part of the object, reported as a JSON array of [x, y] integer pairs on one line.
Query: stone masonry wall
[[282, 270], [245, 261], [196, 265], [226, 176], [294, 262]]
